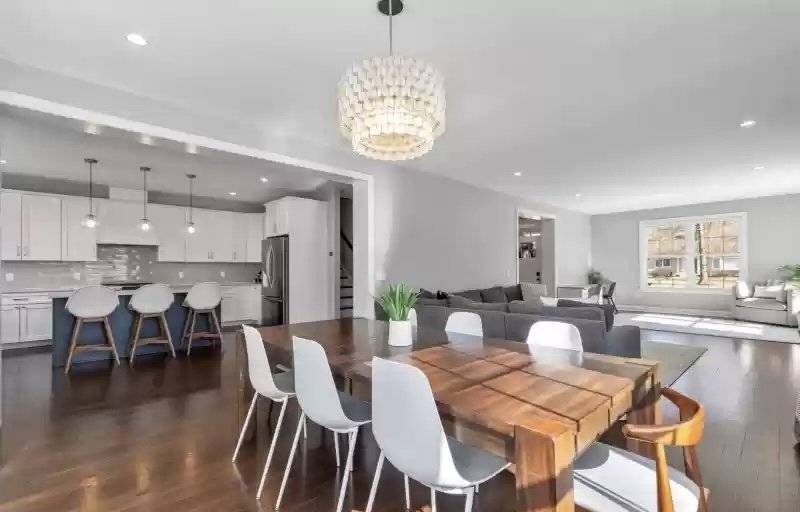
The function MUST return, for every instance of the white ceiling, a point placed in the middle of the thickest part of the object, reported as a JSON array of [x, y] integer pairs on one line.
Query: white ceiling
[[42, 145], [629, 103]]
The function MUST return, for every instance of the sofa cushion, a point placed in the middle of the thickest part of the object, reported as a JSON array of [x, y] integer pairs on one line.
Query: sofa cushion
[[592, 331], [608, 309], [456, 301], [531, 291], [775, 291], [432, 302], [431, 317], [473, 295], [525, 306], [494, 294], [492, 322], [426, 294], [758, 303], [513, 292]]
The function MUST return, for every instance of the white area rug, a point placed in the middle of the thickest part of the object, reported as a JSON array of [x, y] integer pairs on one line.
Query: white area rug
[[726, 327]]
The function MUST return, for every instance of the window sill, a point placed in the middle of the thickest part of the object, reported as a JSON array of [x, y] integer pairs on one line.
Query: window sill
[[690, 291]]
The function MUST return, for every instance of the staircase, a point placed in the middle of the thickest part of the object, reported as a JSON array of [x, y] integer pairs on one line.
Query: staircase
[[345, 294]]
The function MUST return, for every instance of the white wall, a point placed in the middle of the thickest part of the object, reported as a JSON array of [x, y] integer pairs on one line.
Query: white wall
[[772, 241]]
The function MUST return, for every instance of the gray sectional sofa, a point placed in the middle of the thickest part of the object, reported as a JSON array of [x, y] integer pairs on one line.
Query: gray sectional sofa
[[512, 319]]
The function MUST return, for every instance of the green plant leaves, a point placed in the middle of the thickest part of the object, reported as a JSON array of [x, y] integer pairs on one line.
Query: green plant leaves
[[397, 301]]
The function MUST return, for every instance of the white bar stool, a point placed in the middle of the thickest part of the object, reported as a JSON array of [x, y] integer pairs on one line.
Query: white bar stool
[[555, 334], [91, 304], [202, 299], [151, 301], [463, 322], [324, 405]]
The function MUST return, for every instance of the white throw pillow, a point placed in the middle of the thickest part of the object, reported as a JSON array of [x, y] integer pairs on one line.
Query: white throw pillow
[[775, 291], [549, 301], [532, 291], [743, 290]]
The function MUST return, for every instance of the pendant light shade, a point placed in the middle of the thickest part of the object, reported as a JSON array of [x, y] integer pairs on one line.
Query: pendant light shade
[[392, 108], [90, 221], [145, 222], [190, 227]]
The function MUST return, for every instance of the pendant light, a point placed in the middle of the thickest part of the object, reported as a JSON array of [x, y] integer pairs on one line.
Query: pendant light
[[190, 225], [145, 224], [90, 221], [390, 107]]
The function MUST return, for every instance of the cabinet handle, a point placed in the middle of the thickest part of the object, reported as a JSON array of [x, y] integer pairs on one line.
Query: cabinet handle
[[25, 251], [19, 251]]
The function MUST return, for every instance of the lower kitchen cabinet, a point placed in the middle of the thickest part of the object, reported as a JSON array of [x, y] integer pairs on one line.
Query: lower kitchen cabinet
[[26, 318], [240, 303]]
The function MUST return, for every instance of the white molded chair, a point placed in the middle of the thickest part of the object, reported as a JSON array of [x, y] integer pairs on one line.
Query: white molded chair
[[463, 322], [324, 405], [278, 388], [202, 299], [151, 301], [409, 432], [91, 304], [412, 317], [555, 334]]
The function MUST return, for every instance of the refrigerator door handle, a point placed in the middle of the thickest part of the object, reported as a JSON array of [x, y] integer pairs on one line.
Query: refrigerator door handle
[[270, 270], [273, 299]]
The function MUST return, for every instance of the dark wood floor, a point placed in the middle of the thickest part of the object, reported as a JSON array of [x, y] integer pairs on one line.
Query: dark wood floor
[[160, 437]]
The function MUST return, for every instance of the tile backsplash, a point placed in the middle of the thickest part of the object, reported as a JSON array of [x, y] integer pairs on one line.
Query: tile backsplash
[[120, 263]]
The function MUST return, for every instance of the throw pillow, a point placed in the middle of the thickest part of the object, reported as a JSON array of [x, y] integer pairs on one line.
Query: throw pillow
[[426, 294], [743, 290], [441, 295], [513, 293], [776, 291], [549, 301], [532, 291], [525, 307], [459, 302], [495, 294], [473, 295]]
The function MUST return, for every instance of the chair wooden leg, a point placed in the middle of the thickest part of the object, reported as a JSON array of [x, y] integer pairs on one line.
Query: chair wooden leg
[[162, 319], [186, 324], [216, 325], [191, 331], [137, 327], [110, 339], [72, 344]]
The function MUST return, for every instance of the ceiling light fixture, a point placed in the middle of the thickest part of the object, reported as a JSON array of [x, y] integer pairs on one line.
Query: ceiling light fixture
[[145, 225], [190, 225], [517, 173], [231, 193], [4, 162], [191, 149], [91, 129], [146, 139], [137, 39], [91, 220], [747, 123], [578, 194], [759, 168], [264, 179], [392, 108]]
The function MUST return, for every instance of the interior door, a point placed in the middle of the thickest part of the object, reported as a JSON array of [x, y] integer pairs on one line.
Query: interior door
[[41, 228], [10, 226]]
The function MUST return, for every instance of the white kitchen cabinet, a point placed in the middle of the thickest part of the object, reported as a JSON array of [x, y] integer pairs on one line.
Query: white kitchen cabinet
[[223, 241], [11, 226], [169, 226], [198, 244], [230, 305], [276, 217], [240, 303], [9, 324], [255, 235], [26, 318], [36, 322], [239, 231], [118, 222], [78, 243]]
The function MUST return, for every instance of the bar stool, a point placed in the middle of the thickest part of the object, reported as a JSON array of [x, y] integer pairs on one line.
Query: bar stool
[[202, 299], [91, 304], [151, 301]]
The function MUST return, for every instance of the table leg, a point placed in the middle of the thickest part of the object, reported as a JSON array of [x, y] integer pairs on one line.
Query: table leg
[[244, 392], [544, 470], [646, 412]]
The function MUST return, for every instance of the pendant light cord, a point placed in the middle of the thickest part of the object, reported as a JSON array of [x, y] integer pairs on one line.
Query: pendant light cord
[[191, 181], [144, 196], [391, 15], [91, 179]]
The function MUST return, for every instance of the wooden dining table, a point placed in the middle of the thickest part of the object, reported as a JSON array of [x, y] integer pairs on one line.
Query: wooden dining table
[[538, 407]]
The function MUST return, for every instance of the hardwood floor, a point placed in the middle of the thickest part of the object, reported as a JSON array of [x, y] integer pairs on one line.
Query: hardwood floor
[[160, 437]]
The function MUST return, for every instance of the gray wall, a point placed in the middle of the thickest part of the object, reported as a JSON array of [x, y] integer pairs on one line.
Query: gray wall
[[772, 242]]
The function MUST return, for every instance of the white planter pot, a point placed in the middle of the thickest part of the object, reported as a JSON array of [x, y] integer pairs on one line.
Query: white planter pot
[[400, 333]]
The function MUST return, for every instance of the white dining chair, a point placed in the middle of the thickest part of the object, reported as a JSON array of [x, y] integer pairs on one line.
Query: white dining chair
[[464, 322], [278, 388], [412, 317], [323, 404], [202, 299], [151, 301], [409, 433], [555, 334], [92, 304]]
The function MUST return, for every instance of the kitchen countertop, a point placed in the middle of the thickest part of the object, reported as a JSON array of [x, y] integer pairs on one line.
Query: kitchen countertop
[[61, 292]]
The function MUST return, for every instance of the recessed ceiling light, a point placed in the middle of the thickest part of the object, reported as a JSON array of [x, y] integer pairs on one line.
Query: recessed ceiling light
[[264, 179], [137, 39], [91, 129], [747, 123], [759, 168], [517, 173], [146, 139], [578, 194], [231, 193], [191, 149], [3, 162]]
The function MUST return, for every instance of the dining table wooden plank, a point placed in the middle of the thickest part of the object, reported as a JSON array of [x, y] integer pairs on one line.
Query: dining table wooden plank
[[537, 406]]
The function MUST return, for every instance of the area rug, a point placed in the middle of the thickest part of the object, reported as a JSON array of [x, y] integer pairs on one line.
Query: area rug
[[707, 326], [673, 359]]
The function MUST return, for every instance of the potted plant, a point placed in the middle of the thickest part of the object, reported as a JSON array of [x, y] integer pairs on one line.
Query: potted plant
[[594, 276], [397, 302]]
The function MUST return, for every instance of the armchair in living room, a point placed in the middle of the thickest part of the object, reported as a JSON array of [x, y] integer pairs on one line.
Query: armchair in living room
[[770, 302]]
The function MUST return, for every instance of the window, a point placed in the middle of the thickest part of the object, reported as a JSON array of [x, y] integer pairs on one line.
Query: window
[[698, 253]]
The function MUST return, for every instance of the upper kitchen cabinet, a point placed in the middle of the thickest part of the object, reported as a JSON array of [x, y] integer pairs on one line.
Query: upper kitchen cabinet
[[169, 225], [118, 223], [276, 217], [255, 235], [31, 227], [78, 243]]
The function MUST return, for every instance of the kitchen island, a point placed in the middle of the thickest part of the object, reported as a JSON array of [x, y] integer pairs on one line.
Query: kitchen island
[[121, 321]]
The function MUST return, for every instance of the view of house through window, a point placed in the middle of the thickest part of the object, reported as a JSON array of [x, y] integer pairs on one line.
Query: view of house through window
[[693, 253]]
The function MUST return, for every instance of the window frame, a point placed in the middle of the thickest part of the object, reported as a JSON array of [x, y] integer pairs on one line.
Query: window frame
[[691, 287]]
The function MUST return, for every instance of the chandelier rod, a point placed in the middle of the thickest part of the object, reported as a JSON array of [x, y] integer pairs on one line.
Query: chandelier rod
[[391, 15]]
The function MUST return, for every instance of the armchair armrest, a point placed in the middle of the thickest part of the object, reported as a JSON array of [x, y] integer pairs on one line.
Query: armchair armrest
[[792, 304]]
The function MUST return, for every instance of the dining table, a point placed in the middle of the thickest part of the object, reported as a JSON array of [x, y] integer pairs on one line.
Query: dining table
[[536, 406]]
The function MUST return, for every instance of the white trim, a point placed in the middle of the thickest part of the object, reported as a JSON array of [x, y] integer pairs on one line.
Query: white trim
[[691, 289], [533, 214]]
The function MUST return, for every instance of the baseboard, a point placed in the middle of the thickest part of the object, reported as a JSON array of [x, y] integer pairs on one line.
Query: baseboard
[[629, 308]]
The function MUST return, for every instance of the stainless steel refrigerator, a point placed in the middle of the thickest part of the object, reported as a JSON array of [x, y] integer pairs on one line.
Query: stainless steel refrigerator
[[275, 280]]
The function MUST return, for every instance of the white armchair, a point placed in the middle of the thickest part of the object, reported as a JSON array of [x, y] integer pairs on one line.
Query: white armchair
[[770, 302]]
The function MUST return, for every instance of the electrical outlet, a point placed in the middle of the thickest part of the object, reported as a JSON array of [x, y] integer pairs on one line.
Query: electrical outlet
[[9, 276], [180, 275], [222, 273]]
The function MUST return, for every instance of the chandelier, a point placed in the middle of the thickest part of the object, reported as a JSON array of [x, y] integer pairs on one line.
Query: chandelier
[[392, 108]]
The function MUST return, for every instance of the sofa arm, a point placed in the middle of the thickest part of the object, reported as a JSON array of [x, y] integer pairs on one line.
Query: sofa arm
[[625, 341], [792, 305]]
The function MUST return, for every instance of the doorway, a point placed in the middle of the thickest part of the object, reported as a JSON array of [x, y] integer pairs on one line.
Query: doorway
[[536, 250]]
